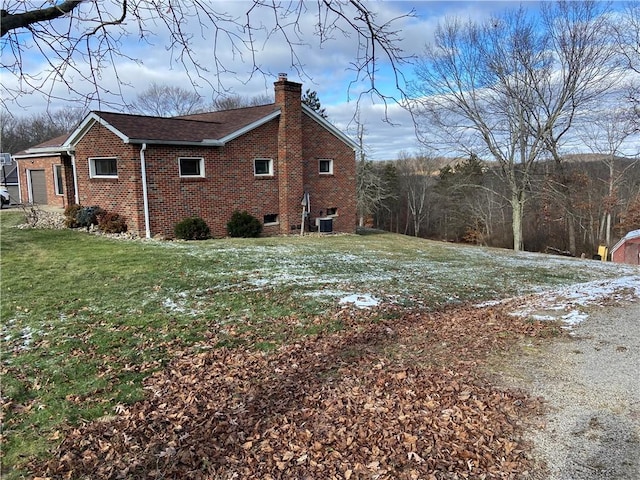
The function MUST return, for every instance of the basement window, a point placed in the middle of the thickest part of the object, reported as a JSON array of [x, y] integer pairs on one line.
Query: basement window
[[325, 167], [103, 168], [191, 167], [263, 167], [270, 219]]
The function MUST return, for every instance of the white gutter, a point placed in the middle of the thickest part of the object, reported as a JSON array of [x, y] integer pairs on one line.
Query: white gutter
[[145, 198], [75, 178], [51, 153], [199, 143]]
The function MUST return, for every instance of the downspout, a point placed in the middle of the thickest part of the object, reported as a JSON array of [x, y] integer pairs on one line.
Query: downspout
[[145, 197], [19, 184], [76, 196]]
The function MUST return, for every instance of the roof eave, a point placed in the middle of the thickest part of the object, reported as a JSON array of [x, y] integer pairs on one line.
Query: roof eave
[[42, 152]]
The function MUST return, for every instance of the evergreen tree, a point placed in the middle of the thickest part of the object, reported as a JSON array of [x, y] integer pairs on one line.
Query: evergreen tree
[[311, 100]]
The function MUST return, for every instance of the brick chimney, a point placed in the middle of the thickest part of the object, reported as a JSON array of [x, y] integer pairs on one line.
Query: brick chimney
[[290, 169]]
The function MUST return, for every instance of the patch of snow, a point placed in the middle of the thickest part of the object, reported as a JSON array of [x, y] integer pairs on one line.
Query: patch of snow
[[360, 300], [574, 317], [575, 299], [178, 306], [326, 293], [490, 303], [543, 318]]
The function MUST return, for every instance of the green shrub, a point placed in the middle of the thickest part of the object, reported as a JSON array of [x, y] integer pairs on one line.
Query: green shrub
[[70, 215], [243, 224], [88, 216], [193, 228], [111, 222]]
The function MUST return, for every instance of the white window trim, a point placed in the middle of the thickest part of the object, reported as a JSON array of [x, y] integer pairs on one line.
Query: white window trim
[[277, 222], [57, 180], [330, 160], [92, 167], [332, 214], [201, 159], [270, 174]]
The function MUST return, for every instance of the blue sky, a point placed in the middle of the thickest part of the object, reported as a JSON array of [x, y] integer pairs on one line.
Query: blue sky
[[326, 67]]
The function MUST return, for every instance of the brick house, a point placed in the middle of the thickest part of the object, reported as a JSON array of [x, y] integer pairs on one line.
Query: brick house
[[157, 171]]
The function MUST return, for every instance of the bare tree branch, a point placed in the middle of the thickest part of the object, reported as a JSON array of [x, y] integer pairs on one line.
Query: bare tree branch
[[75, 34], [11, 21]]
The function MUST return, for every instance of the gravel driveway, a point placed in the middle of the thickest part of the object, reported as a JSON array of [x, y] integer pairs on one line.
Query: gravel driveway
[[590, 383]]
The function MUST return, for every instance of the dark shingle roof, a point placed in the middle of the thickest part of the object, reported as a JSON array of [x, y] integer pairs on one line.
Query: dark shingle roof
[[52, 142], [189, 128]]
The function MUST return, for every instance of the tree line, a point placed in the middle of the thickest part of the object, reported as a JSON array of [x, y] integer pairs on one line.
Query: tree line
[[467, 200]]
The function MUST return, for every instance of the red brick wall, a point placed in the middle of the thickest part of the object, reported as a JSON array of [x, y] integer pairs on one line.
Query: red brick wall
[[329, 191], [41, 163], [69, 182], [229, 183], [122, 195]]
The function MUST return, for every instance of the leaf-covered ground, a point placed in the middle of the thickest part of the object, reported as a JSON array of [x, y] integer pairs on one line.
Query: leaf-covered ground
[[406, 398]]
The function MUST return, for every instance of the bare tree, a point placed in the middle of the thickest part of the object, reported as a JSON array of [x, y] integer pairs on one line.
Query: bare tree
[[67, 118], [229, 102], [73, 35], [167, 101], [627, 31], [19, 133], [605, 135], [371, 190], [417, 182], [510, 88]]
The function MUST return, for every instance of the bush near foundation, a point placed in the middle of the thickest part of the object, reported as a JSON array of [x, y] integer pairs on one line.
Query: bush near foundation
[[111, 222], [244, 225], [71, 214], [88, 216], [192, 228]]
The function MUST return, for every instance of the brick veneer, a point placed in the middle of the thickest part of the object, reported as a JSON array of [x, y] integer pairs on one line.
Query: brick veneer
[[122, 195], [46, 163]]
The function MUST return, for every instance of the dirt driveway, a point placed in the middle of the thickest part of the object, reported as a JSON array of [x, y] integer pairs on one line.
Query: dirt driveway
[[591, 386]]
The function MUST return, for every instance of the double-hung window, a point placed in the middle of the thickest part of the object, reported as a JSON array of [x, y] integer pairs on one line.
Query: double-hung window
[[263, 167], [191, 166], [103, 167]]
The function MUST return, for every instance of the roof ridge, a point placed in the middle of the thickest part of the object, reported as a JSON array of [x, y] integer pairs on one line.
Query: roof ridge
[[227, 110], [98, 112]]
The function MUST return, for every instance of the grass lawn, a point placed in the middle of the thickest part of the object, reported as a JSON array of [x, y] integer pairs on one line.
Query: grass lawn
[[86, 318]]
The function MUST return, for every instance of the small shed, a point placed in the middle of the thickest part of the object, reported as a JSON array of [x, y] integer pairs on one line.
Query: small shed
[[627, 250]]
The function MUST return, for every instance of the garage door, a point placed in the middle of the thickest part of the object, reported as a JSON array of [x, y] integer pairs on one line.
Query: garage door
[[38, 187]]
